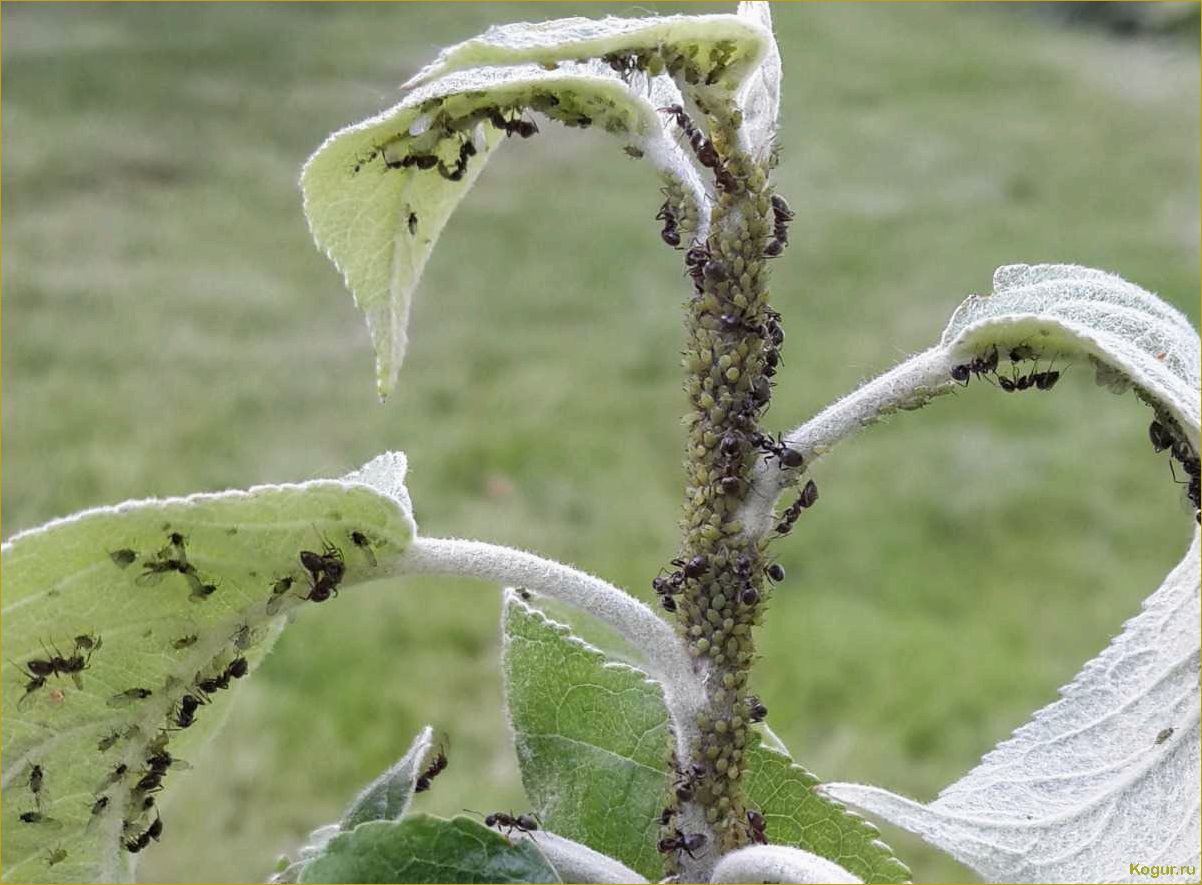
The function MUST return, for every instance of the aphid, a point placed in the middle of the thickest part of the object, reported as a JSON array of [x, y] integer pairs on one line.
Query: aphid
[[153, 571], [150, 782], [695, 567], [749, 596], [412, 222], [111, 778], [124, 698], [757, 825], [681, 842], [433, 770], [668, 603], [1160, 436], [756, 711], [328, 563], [1164, 735], [200, 590], [124, 557], [99, 805], [237, 668], [133, 846], [35, 682], [56, 855], [665, 816], [36, 817], [37, 779], [775, 572], [243, 637], [360, 540], [686, 781], [185, 641], [278, 589], [107, 741], [525, 823], [88, 642]]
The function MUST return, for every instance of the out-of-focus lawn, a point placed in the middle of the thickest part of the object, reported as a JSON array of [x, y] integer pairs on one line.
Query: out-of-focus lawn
[[170, 328]]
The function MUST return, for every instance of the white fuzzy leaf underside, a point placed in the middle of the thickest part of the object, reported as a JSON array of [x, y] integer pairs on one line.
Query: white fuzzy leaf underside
[[1107, 776]]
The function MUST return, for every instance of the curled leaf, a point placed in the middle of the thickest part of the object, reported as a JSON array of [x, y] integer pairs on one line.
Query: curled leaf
[[388, 796], [1099, 782]]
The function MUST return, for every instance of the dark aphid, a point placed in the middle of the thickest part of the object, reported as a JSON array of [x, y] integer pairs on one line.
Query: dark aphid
[[665, 816], [749, 596], [124, 557], [742, 566], [278, 591], [107, 741], [433, 770], [668, 602], [111, 778], [757, 825], [360, 540], [780, 209], [185, 641], [55, 855], [1164, 735], [133, 846], [682, 842], [756, 711], [150, 782], [200, 590], [34, 683], [775, 572], [36, 817], [37, 779], [774, 249], [99, 805], [128, 696], [88, 642], [1046, 380], [1160, 436], [412, 222], [237, 668]]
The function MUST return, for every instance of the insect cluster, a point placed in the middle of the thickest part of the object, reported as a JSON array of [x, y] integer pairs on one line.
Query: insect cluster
[[986, 365], [56, 664], [717, 585]]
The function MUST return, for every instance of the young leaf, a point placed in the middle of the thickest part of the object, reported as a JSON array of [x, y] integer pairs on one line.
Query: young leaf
[[702, 50], [574, 862], [389, 795], [376, 206], [775, 863], [112, 616], [565, 696], [591, 737], [783, 792], [1104, 779], [423, 848], [759, 97]]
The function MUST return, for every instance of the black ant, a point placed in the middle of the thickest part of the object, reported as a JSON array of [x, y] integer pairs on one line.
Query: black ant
[[524, 823], [35, 682], [670, 233], [757, 825], [1160, 436], [979, 366], [435, 768], [756, 711], [187, 710], [680, 842], [361, 541], [686, 781], [695, 260], [781, 215], [515, 125], [790, 459], [326, 570], [805, 500], [695, 567], [133, 846]]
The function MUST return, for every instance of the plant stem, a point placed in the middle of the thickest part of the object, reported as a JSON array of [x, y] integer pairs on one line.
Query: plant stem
[[718, 589]]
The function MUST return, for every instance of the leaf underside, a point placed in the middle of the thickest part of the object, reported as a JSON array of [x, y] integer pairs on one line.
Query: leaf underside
[[155, 633]]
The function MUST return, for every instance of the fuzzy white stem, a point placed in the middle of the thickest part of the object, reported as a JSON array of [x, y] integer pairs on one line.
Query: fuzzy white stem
[[665, 656], [906, 386]]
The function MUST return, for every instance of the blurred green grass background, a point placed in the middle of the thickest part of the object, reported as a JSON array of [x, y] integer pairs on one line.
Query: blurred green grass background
[[170, 328]]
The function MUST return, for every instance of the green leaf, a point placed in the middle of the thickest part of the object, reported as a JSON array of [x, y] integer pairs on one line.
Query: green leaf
[[423, 848], [93, 579], [592, 739], [796, 816], [388, 796]]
